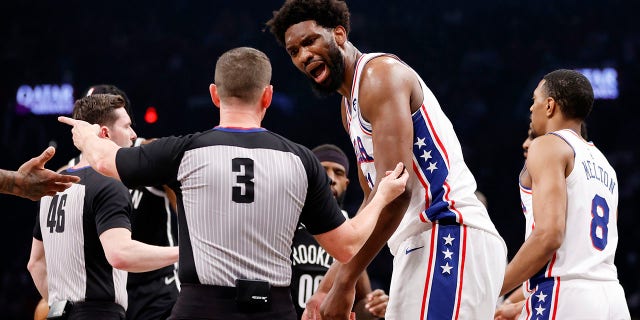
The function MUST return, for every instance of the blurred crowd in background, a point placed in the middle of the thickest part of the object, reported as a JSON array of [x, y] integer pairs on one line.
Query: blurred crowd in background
[[482, 59]]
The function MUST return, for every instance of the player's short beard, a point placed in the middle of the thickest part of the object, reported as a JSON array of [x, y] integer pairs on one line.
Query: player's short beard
[[336, 73]]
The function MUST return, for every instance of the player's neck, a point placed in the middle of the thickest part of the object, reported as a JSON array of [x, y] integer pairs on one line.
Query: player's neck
[[351, 56], [574, 125]]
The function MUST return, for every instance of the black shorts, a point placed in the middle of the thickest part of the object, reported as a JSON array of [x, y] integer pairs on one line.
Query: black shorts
[[96, 310], [218, 303], [152, 300]]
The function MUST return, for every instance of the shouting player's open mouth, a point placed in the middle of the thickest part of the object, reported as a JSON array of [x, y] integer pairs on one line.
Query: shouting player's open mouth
[[318, 71]]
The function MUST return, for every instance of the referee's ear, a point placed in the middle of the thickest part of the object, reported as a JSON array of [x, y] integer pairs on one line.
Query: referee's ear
[[213, 90], [267, 96]]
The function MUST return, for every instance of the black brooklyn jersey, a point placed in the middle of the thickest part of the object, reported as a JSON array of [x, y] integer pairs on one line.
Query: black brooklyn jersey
[[241, 193], [69, 224], [309, 264], [152, 222]]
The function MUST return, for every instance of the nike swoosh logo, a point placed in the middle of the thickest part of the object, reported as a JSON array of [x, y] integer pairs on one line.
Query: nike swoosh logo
[[411, 250], [168, 280]]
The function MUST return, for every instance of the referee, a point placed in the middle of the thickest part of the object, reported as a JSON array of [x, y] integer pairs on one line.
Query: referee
[[82, 244], [151, 294], [241, 191]]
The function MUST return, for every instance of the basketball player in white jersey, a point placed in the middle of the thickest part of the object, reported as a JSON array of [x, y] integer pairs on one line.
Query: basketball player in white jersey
[[449, 258], [511, 307], [569, 195]]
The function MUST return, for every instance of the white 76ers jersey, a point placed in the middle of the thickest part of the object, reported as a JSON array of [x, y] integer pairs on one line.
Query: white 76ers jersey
[[443, 185], [591, 232]]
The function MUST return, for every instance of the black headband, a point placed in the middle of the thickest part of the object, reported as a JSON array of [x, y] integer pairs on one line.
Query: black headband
[[333, 155]]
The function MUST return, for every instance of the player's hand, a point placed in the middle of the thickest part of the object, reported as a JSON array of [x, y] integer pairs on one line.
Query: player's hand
[[509, 310], [81, 131], [312, 308], [34, 181], [377, 303], [338, 303], [393, 184]]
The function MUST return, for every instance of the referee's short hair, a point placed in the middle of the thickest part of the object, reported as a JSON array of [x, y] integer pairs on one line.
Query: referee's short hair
[[242, 73]]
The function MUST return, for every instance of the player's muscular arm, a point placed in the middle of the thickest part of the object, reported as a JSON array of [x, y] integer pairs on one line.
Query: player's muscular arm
[[548, 164], [134, 256], [385, 102], [37, 267], [385, 97]]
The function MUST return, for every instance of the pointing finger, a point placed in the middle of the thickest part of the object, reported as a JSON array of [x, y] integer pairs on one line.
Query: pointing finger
[[67, 120]]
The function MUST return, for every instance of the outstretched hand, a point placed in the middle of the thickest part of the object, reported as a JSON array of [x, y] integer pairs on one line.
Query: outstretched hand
[[34, 181], [81, 131]]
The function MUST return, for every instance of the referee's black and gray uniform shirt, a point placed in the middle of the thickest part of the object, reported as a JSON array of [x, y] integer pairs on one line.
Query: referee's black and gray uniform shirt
[[69, 225], [241, 193], [152, 222]]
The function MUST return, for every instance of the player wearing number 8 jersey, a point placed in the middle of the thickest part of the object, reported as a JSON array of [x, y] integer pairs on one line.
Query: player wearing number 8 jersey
[[569, 194]]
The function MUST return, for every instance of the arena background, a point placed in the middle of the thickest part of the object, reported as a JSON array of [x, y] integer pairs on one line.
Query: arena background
[[482, 59]]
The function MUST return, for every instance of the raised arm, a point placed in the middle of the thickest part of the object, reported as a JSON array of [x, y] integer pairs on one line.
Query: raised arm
[[33, 181], [100, 152]]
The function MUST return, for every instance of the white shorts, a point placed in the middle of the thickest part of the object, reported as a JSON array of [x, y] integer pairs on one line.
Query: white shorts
[[576, 299], [448, 272]]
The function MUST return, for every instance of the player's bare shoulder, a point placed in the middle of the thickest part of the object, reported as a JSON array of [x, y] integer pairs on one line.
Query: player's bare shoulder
[[548, 150], [386, 83], [386, 70]]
